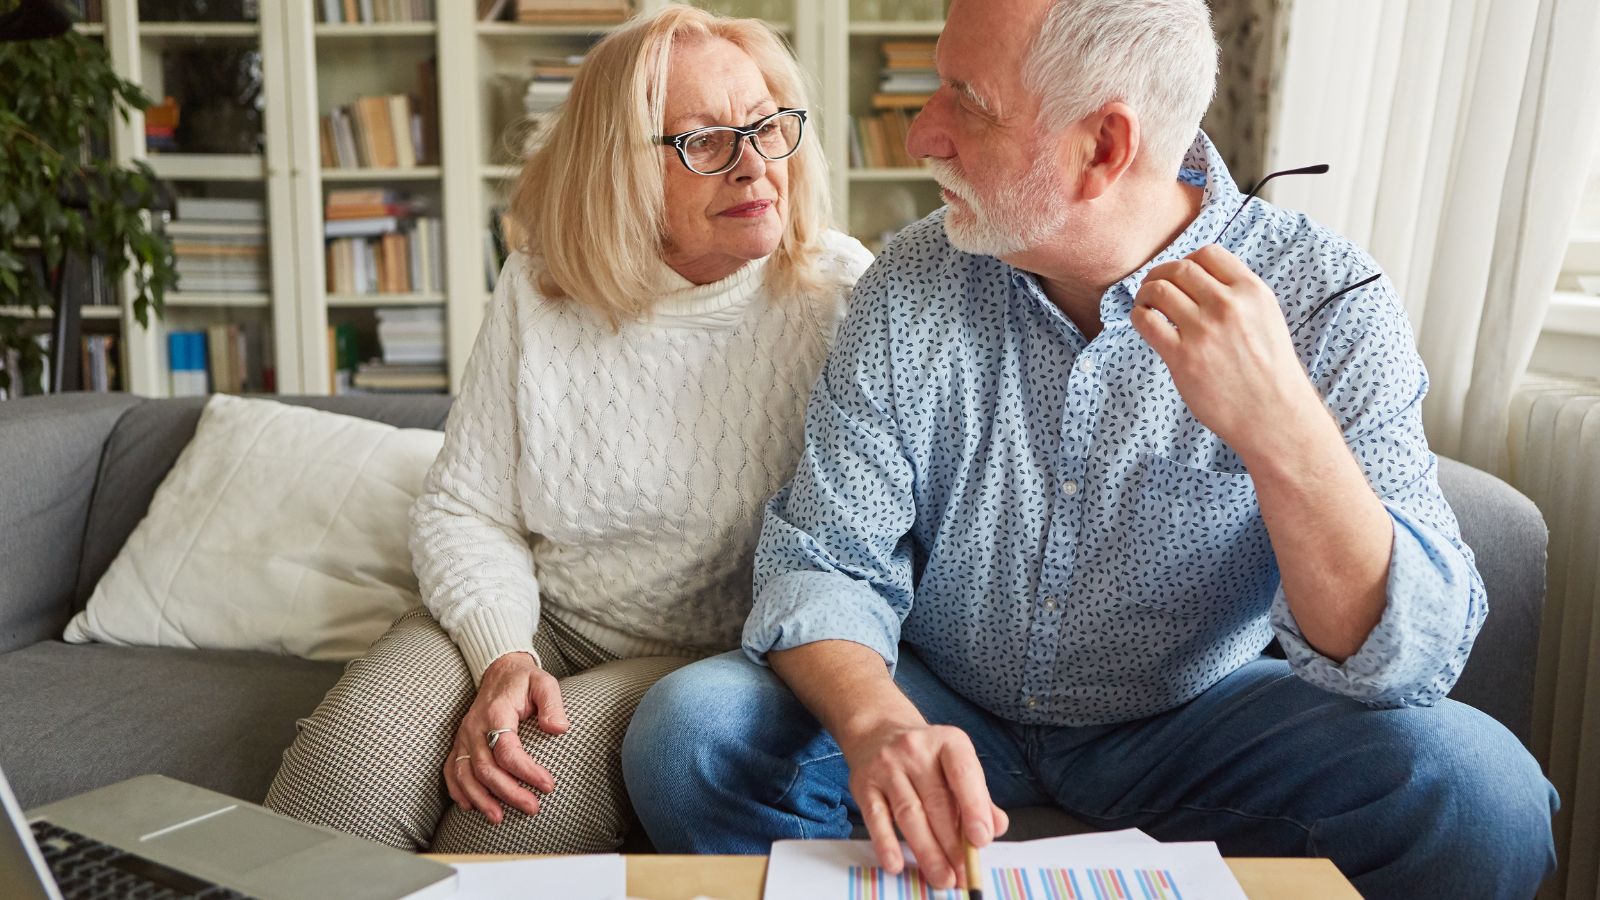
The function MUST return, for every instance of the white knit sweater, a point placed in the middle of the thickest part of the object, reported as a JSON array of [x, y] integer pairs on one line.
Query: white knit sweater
[[619, 477]]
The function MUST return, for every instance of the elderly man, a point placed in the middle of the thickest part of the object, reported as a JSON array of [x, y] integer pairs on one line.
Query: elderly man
[[1089, 438]]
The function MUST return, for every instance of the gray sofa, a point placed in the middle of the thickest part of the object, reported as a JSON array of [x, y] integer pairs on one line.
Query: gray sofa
[[77, 473]]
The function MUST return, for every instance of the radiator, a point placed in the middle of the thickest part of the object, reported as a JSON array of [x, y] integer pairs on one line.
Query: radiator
[[1555, 460]]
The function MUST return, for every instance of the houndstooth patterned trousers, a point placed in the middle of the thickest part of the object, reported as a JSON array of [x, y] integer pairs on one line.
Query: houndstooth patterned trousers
[[369, 761]]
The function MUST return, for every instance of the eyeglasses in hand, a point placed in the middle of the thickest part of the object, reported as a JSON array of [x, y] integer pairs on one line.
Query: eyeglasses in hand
[[1318, 169]]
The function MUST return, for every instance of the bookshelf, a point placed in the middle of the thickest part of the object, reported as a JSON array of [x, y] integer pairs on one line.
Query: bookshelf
[[309, 66]]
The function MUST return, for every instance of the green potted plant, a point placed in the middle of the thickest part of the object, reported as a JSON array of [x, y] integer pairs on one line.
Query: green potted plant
[[60, 192]]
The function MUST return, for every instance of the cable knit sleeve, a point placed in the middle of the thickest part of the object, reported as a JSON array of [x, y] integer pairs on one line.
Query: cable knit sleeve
[[468, 544]]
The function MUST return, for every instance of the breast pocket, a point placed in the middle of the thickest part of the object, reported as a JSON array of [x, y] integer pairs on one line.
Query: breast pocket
[[1196, 543]]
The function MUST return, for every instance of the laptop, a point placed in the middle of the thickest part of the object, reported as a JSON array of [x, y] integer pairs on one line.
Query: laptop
[[152, 836]]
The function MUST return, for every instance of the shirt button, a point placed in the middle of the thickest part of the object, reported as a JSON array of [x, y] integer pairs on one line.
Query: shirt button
[[1032, 702], [1085, 364], [1069, 487], [1049, 603]]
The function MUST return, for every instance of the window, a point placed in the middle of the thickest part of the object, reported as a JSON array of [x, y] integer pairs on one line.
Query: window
[[1572, 324], [1580, 272]]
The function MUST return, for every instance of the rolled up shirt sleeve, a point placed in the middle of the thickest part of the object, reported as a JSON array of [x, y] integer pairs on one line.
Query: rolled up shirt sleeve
[[1374, 383], [834, 561]]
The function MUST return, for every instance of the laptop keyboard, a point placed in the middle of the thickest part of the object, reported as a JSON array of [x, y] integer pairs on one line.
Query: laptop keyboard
[[86, 869]]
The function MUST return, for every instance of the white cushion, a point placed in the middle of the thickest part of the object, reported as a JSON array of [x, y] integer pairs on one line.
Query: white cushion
[[280, 528]]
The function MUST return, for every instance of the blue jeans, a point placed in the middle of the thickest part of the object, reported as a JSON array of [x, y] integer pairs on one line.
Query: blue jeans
[[1424, 802]]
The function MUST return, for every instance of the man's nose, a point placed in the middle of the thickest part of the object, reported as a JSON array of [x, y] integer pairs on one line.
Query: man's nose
[[928, 136]]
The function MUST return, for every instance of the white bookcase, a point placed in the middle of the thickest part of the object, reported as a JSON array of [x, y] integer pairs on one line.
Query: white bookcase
[[310, 66]]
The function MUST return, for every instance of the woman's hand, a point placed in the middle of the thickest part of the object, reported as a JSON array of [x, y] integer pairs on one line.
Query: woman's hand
[[513, 689]]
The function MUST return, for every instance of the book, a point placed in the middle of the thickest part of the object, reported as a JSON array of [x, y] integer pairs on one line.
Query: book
[[428, 111], [374, 11], [585, 12], [366, 227], [423, 379], [492, 10], [400, 131], [343, 353], [186, 363], [221, 348], [217, 209], [99, 360], [238, 232]]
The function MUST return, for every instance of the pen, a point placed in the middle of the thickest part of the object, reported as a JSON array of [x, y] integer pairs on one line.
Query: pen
[[974, 883]]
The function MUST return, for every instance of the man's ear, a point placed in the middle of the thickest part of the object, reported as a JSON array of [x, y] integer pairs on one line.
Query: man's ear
[[1111, 144]]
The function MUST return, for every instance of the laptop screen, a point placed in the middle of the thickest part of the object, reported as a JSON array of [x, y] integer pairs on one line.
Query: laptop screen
[[23, 874]]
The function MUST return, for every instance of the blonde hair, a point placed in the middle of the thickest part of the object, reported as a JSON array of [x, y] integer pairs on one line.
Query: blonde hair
[[589, 207]]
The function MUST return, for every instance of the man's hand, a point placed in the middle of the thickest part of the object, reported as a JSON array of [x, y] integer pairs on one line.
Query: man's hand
[[925, 779], [1220, 331], [514, 688]]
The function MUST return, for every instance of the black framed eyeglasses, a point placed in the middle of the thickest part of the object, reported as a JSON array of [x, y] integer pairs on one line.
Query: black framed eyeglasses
[[1319, 169], [717, 148]]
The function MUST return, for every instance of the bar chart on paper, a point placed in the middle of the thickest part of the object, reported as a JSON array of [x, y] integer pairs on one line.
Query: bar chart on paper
[[1086, 867], [1083, 884], [873, 883]]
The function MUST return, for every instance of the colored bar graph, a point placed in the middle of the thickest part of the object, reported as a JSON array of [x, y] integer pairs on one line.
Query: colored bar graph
[[873, 883], [1074, 884]]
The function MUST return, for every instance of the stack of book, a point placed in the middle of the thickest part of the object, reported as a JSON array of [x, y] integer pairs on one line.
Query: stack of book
[[220, 245], [574, 12], [215, 360], [379, 244], [549, 84], [374, 132], [411, 341], [99, 362], [368, 11], [905, 83], [388, 131], [161, 127]]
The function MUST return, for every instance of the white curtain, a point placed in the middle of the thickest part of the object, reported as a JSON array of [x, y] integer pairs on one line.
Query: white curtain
[[1460, 133]]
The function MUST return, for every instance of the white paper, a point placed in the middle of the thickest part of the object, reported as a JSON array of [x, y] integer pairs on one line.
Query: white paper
[[597, 877], [1129, 861], [1091, 839]]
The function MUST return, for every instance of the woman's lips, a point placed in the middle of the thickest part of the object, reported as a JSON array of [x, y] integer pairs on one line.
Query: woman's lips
[[748, 210]]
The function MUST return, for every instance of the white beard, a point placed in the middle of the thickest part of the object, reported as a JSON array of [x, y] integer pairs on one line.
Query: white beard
[[1020, 217]]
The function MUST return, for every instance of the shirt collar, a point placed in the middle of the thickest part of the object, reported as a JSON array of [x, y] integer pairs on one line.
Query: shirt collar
[[1202, 166]]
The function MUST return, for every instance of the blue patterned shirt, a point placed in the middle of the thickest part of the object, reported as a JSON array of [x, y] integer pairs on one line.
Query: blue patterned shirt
[[1042, 519]]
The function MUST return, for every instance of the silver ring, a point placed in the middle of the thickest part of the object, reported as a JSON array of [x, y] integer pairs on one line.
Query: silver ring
[[463, 756], [494, 736]]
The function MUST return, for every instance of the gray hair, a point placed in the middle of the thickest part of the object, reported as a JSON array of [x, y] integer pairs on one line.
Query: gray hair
[[1157, 56]]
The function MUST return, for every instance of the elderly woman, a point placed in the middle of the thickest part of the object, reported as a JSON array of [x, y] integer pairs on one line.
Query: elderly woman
[[634, 397]]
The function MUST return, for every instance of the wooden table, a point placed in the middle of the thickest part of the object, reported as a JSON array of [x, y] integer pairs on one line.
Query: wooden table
[[742, 877]]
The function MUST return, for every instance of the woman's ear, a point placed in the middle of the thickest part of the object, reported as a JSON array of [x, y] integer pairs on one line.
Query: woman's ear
[[1112, 143]]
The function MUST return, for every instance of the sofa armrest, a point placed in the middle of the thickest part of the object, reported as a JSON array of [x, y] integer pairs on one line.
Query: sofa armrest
[[50, 450], [1509, 538]]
